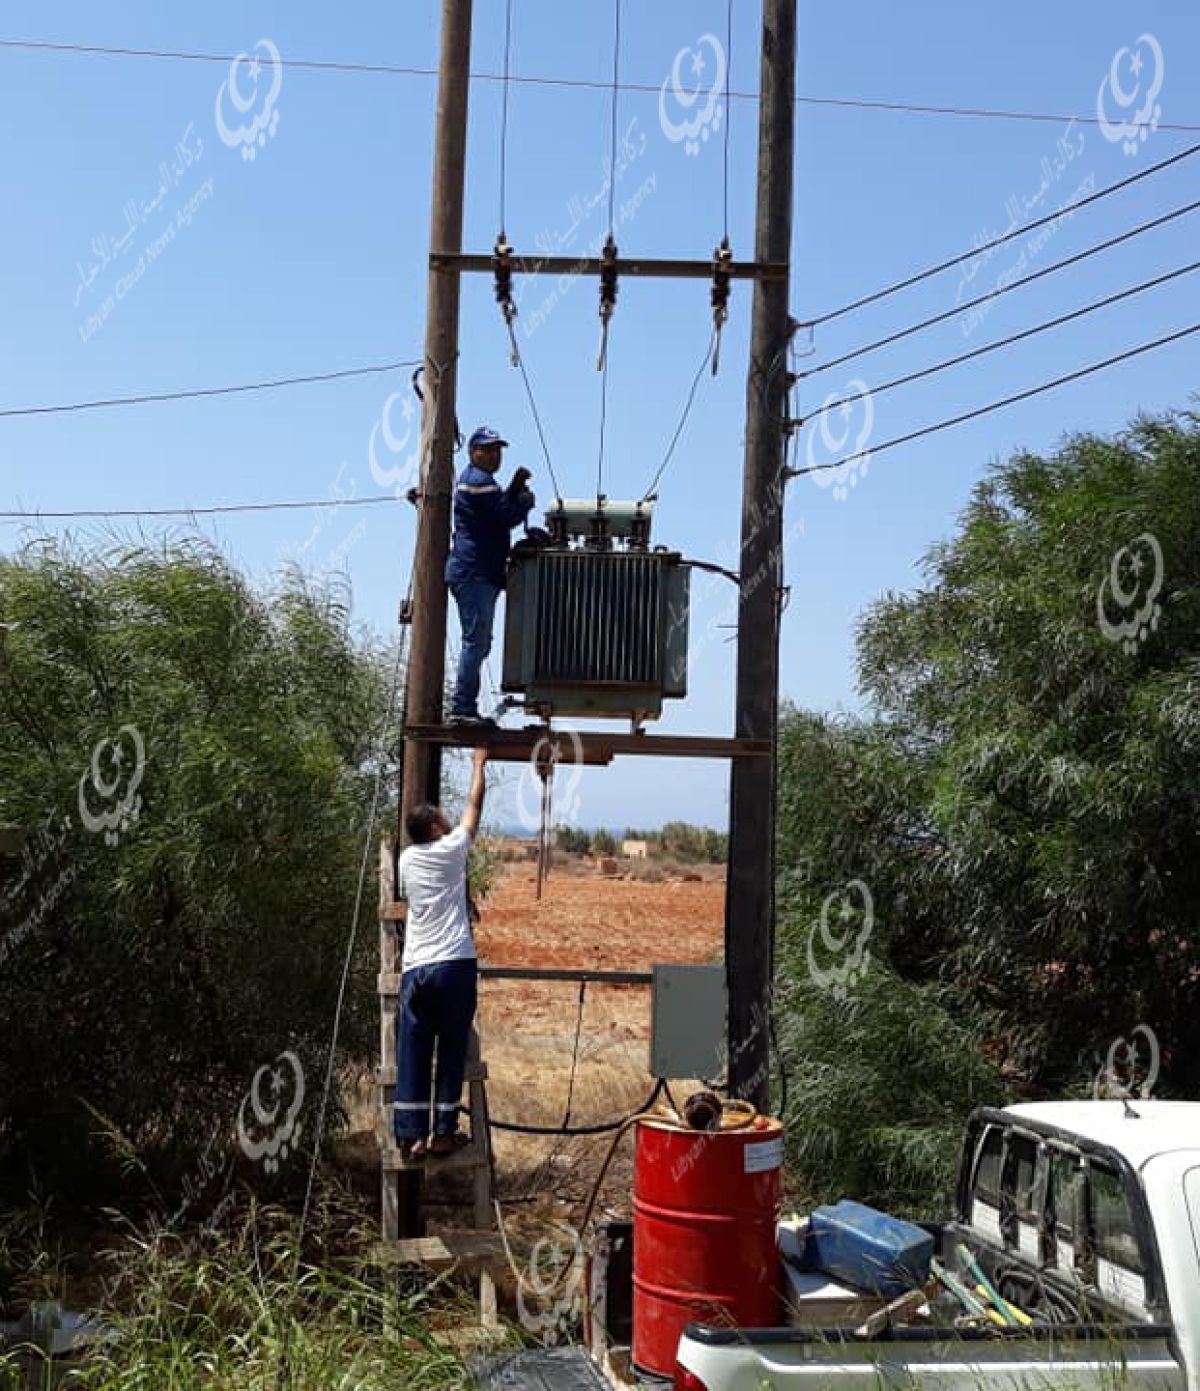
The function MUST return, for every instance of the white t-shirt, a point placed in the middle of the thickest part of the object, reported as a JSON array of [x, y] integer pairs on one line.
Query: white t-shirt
[[433, 881]]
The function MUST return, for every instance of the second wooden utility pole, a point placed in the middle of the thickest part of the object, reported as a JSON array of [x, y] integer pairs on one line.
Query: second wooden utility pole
[[749, 907]]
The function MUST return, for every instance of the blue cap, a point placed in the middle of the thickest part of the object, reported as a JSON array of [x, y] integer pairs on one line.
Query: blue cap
[[486, 435]]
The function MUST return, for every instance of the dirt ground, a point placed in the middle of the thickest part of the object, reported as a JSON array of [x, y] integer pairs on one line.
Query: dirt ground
[[528, 1029]]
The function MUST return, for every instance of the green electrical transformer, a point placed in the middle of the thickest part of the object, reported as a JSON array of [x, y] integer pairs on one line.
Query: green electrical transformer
[[596, 622]]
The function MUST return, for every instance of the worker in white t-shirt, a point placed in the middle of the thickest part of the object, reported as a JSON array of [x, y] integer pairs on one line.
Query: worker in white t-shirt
[[438, 974]]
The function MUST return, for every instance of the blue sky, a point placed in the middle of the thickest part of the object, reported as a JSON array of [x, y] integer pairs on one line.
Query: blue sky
[[310, 257]]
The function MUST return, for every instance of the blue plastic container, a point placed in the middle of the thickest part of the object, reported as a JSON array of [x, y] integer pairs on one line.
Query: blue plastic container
[[867, 1249]]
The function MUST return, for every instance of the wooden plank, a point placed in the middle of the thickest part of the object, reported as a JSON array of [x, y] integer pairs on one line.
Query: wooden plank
[[465, 1160], [393, 912], [389, 1182], [463, 1246], [489, 1315], [586, 746], [386, 871], [389, 1193]]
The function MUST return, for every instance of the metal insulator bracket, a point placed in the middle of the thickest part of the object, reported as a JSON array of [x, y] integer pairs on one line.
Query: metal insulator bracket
[[608, 295], [722, 264], [502, 269]]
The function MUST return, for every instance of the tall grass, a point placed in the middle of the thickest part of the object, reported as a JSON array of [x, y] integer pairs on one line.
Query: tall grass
[[227, 1311]]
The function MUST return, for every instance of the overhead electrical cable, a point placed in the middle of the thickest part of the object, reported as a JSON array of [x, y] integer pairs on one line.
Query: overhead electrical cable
[[728, 108], [999, 405], [608, 273], [537, 421], [683, 419], [502, 260], [877, 391], [569, 83], [37, 514], [508, 18], [612, 138], [999, 290], [198, 393], [1022, 231]]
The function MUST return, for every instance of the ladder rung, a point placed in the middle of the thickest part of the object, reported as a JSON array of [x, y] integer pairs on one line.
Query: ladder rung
[[442, 1252], [467, 1159]]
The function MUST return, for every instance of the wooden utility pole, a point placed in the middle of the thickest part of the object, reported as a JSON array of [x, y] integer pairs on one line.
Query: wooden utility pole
[[427, 648], [749, 908], [402, 1192]]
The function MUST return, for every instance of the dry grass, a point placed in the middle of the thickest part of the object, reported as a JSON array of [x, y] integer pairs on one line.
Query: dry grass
[[528, 1028]]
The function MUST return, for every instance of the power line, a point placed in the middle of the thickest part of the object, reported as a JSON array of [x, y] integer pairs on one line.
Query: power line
[[999, 290], [508, 18], [916, 279], [222, 510], [683, 419], [728, 108], [196, 393], [568, 83], [999, 405], [608, 278], [616, 92], [877, 391], [537, 421]]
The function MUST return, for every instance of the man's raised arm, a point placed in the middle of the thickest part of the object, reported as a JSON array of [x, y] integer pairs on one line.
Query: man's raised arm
[[474, 808]]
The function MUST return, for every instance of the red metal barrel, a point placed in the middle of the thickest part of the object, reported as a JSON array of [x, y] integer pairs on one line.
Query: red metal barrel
[[705, 1207]]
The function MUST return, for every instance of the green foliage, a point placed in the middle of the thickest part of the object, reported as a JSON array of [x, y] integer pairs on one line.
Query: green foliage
[[573, 840], [680, 840], [880, 1084], [1023, 804], [603, 843], [1062, 771], [168, 967]]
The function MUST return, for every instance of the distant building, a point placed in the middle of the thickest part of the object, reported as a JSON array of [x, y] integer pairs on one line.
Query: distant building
[[635, 849]]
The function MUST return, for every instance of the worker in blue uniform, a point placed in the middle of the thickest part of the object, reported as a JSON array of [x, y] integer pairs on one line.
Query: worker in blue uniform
[[484, 517]]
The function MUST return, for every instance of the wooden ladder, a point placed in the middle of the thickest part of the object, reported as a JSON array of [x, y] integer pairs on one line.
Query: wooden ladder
[[400, 1218]]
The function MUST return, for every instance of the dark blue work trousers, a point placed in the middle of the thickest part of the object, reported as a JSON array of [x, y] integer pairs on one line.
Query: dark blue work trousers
[[476, 600], [437, 1006]]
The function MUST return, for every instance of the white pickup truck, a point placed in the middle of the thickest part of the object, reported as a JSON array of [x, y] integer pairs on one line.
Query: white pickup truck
[[1085, 1214]]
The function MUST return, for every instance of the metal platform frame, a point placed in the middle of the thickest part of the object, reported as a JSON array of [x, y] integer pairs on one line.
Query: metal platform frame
[[595, 748]]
